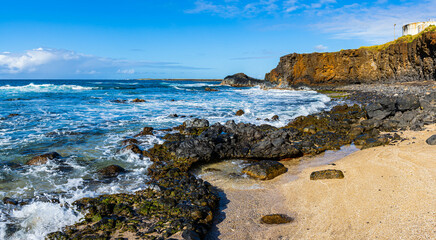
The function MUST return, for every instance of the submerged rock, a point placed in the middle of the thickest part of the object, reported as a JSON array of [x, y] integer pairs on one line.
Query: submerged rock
[[265, 170], [210, 90], [327, 174], [111, 171], [276, 219], [431, 140], [42, 159]]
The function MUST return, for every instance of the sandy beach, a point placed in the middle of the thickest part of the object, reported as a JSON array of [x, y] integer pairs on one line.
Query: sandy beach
[[388, 192]]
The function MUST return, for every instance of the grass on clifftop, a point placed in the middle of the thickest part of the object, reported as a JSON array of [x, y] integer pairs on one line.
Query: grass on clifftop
[[403, 39]]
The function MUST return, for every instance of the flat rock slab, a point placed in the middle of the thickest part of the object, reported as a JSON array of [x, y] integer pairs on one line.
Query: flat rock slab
[[276, 219], [431, 140], [327, 174], [265, 170]]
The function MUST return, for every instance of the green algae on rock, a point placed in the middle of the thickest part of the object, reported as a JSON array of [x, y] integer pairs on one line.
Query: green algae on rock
[[327, 174]]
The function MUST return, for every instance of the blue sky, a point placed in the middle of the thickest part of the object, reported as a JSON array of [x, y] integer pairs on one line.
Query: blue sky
[[186, 38]]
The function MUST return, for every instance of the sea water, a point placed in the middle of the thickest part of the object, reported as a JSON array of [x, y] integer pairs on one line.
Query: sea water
[[83, 122]]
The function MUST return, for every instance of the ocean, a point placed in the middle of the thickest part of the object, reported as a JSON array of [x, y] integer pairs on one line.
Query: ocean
[[85, 122]]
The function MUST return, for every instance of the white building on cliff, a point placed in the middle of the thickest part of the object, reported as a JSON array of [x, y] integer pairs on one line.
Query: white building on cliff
[[417, 27]]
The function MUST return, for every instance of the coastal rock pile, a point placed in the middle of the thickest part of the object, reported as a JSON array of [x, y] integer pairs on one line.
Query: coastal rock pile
[[177, 202]]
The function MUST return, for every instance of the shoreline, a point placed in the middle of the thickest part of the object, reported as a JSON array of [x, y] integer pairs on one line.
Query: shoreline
[[387, 191]]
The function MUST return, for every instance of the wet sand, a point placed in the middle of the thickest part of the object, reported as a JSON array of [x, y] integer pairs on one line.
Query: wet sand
[[388, 193]]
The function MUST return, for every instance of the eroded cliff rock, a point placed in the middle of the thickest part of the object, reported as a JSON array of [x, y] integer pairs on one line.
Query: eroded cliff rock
[[410, 58]]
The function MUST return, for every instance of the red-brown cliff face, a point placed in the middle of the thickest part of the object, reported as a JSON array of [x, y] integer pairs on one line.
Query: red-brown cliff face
[[399, 61]]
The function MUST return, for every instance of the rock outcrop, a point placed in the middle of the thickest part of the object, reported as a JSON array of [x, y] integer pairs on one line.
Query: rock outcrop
[[242, 80], [409, 58]]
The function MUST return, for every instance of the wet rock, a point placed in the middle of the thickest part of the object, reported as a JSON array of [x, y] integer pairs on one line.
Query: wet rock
[[111, 171], [265, 170], [431, 140], [327, 174], [240, 112], [196, 123], [275, 118], [276, 219], [173, 115], [12, 115], [133, 148], [138, 100], [10, 201], [190, 235], [119, 101], [129, 141], [146, 131], [42, 159], [210, 90]]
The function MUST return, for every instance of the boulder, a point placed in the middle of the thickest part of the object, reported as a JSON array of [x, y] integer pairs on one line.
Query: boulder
[[133, 148], [431, 140], [275, 118], [111, 171], [407, 102], [146, 131], [276, 219], [138, 100], [196, 123], [240, 112], [327, 174], [265, 170], [210, 89], [129, 141], [42, 159]]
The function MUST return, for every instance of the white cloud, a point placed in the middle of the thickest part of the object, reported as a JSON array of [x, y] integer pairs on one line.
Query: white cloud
[[321, 48], [126, 71], [60, 62], [374, 24]]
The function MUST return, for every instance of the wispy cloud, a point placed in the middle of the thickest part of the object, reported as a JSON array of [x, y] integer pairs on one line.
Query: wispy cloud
[[54, 62], [247, 9], [321, 48], [375, 23]]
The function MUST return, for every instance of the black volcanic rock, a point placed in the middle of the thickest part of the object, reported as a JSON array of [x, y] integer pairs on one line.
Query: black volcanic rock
[[242, 80]]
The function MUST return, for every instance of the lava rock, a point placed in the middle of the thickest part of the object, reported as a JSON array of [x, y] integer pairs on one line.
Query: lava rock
[[210, 90], [133, 148], [431, 140], [327, 174], [265, 170], [240, 112], [138, 100], [242, 80], [129, 141], [111, 171], [146, 131], [42, 159], [276, 219], [196, 123]]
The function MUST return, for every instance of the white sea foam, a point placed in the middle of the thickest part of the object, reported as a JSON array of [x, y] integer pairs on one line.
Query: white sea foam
[[39, 218], [44, 88]]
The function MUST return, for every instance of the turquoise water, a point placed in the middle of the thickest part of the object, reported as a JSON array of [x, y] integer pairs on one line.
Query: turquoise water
[[81, 120]]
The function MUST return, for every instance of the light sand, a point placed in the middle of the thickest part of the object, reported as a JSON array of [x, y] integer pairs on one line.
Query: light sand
[[388, 193]]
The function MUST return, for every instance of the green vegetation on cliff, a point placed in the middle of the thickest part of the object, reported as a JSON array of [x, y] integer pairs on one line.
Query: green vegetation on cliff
[[403, 39]]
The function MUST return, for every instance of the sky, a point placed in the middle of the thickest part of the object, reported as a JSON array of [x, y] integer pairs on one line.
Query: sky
[[93, 39]]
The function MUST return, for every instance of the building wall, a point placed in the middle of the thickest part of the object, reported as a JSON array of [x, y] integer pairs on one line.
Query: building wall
[[415, 28]]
